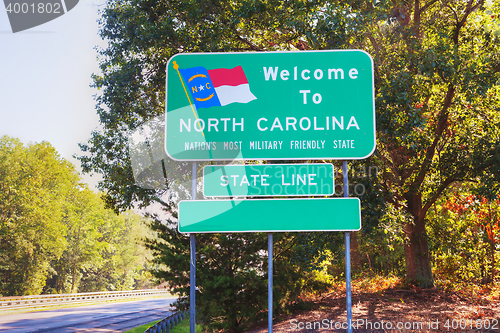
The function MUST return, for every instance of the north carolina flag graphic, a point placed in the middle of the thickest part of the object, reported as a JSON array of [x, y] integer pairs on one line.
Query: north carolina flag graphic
[[217, 87]]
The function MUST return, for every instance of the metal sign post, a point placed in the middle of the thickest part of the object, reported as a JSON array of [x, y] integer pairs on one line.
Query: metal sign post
[[270, 283], [192, 265], [347, 256]]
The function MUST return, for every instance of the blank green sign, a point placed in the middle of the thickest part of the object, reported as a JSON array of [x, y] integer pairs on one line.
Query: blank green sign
[[268, 180], [270, 215]]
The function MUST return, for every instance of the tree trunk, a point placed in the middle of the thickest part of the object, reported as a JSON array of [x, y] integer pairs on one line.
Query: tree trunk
[[493, 221], [355, 255], [73, 278], [492, 259], [418, 265]]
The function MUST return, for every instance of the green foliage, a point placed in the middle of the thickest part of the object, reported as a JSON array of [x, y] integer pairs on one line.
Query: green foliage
[[466, 233], [84, 247], [104, 252], [380, 249], [56, 236], [34, 182], [231, 277], [437, 70], [231, 272], [383, 247]]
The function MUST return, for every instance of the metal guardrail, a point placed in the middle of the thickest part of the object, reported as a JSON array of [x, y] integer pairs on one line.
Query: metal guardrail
[[19, 302], [166, 324]]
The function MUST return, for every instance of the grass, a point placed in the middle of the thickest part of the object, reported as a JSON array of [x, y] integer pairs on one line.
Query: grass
[[183, 327], [142, 328]]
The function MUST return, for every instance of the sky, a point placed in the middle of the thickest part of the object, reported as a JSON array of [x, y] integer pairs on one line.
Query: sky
[[45, 77]]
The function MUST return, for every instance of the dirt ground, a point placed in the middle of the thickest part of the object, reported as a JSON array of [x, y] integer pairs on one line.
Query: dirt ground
[[394, 310]]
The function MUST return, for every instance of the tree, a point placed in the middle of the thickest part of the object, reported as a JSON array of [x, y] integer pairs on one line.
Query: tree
[[103, 250], [124, 259], [34, 181], [437, 98], [53, 229], [231, 272], [132, 83], [436, 72], [438, 105], [466, 232], [83, 217]]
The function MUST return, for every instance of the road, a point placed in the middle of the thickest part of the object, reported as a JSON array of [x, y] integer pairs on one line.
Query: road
[[109, 317]]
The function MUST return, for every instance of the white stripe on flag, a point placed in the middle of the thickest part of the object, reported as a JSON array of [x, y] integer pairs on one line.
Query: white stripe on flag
[[236, 94]]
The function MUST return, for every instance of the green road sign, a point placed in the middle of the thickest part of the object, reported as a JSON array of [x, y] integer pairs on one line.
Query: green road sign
[[270, 105], [270, 215], [266, 180]]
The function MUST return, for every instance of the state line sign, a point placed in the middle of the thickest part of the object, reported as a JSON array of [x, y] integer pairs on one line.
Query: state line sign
[[270, 105], [268, 180]]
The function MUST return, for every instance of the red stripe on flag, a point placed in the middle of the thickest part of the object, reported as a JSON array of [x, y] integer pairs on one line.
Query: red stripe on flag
[[227, 77]]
